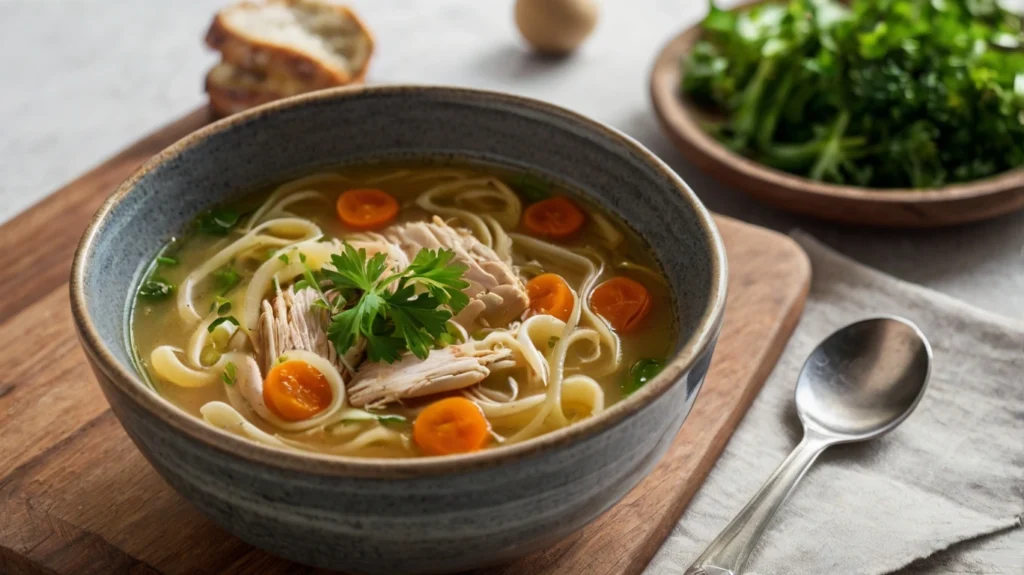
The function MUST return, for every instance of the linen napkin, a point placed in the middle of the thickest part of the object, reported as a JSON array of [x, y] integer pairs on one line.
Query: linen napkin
[[953, 471]]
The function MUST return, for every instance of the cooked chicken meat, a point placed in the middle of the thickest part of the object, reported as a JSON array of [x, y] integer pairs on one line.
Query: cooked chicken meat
[[497, 295], [375, 243], [446, 369], [292, 322], [249, 383]]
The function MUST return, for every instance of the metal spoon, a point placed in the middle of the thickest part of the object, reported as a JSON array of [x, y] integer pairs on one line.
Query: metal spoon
[[858, 384]]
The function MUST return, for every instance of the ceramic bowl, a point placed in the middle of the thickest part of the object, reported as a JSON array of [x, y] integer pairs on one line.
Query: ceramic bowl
[[420, 515]]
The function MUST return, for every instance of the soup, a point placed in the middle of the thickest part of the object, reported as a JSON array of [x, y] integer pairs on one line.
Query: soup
[[408, 310]]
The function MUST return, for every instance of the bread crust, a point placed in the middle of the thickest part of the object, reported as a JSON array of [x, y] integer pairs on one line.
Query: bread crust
[[281, 60], [228, 97]]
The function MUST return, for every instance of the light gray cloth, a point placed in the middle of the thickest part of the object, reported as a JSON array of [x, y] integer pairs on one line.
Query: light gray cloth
[[954, 471]]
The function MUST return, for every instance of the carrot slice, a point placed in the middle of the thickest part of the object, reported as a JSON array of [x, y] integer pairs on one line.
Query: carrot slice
[[556, 218], [549, 294], [452, 425], [295, 391], [621, 301], [367, 208]]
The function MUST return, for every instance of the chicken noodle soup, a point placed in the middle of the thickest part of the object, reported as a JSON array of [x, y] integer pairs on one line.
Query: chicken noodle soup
[[402, 310]]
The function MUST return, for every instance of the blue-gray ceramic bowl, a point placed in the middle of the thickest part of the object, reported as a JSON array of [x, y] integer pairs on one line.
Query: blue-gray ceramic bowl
[[420, 515]]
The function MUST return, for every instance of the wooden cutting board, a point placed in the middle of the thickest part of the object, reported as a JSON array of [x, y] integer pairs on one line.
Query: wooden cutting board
[[76, 497]]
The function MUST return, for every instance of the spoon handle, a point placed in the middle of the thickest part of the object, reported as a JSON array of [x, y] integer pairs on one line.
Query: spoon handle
[[727, 554]]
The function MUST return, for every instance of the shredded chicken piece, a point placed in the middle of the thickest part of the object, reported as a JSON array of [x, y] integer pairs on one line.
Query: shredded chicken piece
[[249, 383], [375, 243], [292, 322], [497, 295], [450, 368]]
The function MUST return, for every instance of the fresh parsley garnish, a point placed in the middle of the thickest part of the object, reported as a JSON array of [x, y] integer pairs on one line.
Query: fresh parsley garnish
[[532, 188], [226, 278], [224, 319], [156, 288], [407, 310], [218, 222], [166, 261], [553, 341], [640, 373], [228, 376], [283, 257]]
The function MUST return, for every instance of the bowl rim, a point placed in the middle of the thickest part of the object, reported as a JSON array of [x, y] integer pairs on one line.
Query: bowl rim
[[129, 385], [685, 125]]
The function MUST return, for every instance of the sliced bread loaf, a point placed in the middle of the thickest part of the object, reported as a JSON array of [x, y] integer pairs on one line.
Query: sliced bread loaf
[[233, 89], [309, 41]]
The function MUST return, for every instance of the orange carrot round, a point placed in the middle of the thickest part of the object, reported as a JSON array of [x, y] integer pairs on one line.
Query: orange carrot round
[[549, 294], [367, 208], [452, 425], [296, 391], [621, 301], [556, 218]]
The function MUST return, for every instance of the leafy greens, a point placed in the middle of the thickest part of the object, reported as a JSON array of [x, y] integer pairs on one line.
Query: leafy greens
[[405, 310], [881, 93]]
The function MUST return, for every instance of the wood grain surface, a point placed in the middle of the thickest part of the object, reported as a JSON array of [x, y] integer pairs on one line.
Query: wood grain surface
[[898, 208], [76, 497]]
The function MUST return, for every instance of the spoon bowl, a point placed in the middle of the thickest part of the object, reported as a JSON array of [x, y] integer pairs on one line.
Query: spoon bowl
[[864, 379]]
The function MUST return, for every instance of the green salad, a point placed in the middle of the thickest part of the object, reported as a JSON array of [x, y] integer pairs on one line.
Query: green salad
[[879, 93]]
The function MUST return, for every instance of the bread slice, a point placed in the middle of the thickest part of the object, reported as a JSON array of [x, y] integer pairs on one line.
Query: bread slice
[[233, 89], [310, 41]]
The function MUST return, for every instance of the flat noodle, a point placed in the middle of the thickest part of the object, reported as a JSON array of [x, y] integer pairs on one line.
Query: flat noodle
[[252, 239], [568, 258], [467, 189], [223, 416], [317, 255], [283, 190], [202, 336]]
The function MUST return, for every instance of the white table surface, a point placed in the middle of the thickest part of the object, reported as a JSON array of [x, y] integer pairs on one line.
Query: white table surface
[[81, 79]]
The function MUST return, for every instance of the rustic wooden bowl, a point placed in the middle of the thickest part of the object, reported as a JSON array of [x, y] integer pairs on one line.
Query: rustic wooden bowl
[[897, 207]]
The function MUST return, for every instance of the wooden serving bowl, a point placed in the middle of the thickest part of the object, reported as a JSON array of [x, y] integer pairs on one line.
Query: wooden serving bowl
[[893, 207]]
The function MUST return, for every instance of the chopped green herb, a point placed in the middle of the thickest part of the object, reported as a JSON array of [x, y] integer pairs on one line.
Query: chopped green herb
[[411, 317], [226, 278], [893, 93], [532, 188], [156, 288], [382, 419], [283, 257], [641, 372], [282, 359], [218, 222], [224, 319], [553, 341], [229, 374], [166, 261], [302, 257], [451, 336], [222, 305], [392, 419], [209, 355]]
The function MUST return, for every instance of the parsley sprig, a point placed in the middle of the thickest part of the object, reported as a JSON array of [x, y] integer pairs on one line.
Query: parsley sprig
[[405, 310]]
